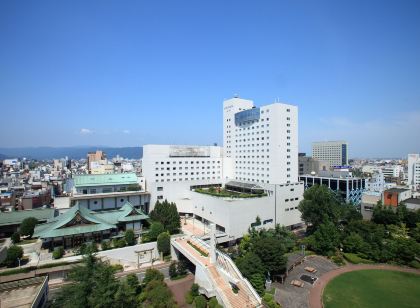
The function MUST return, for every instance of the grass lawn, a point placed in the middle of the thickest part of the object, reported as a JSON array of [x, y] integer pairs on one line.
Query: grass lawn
[[373, 288]]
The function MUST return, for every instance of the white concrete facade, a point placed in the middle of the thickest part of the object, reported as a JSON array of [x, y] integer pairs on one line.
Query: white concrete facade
[[414, 171], [335, 152], [182, 163], [234, 215], [261, 144]]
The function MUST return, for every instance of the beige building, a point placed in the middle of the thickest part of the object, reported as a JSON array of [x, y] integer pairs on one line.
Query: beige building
[[308, 164]]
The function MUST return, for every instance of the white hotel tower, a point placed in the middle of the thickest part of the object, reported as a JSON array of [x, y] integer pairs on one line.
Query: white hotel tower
[[260, 144]]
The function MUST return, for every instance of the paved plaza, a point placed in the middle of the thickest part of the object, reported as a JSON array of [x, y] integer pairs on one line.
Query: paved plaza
[[295, 297]]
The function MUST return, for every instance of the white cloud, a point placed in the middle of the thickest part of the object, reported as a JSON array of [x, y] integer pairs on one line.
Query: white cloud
[[126, 131], [86, 131]]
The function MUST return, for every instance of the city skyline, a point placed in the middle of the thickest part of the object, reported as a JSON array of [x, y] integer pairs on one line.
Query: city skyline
[[126, 75]]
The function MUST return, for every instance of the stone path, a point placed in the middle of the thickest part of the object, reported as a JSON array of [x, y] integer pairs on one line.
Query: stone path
[[315, 294]]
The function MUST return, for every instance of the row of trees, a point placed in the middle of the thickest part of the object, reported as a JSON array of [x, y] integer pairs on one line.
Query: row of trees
[[93, 284], [391, 236], [262, 253]]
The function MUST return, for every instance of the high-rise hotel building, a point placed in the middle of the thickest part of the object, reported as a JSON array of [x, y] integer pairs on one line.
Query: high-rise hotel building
[[260, 143], [334, 152]]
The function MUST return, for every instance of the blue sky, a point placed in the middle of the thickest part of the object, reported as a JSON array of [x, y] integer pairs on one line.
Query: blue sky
[[127, 73]]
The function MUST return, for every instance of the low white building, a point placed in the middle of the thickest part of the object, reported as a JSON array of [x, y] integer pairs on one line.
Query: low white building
[[234, 216]]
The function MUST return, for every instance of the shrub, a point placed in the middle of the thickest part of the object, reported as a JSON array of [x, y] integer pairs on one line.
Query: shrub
[[130, 237], [163, 243], [58, 252], [105, 245], [200, 251], [15, 237], [117, 267], [194, 290], [18, 271], [189, 298], [213, 303], [415, 264], [27, 226], [172, 270], [13, 253], [338, 259], [86, 248], [355, 259], [269, 301], [200, 302], [181, 268], [152, 274], [118, 243]]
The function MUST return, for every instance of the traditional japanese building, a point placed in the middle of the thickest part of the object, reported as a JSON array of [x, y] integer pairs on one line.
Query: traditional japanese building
[[80, 224]]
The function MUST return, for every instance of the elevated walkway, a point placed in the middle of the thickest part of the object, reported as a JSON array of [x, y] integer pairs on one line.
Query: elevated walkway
[[219, 278]]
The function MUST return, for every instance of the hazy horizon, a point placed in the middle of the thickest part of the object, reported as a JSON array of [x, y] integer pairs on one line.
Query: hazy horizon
[[131, 73]]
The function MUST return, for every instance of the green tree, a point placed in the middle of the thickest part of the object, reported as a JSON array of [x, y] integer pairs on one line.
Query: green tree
[[325, 240], [152, 274], [167, 214], [200, 302], [163, 243], [133, 282], [15, 237], [93, 285], [156, 228], [157, 295], [258, 282], [385, 215], [271, 252], [27, 226], [130, 237], [353, 243], [320, 204], [250, 264], [126, 296], [14, 253]]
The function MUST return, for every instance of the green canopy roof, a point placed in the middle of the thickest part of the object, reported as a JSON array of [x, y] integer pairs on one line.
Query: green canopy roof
[[16, 217], [105, 179], [79, 220]]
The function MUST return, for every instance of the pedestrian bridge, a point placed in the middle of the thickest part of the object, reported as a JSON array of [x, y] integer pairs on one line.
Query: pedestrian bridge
[[216, 273]]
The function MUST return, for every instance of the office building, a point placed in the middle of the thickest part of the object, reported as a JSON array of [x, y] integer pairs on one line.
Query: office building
[[310, 165], [414, 171], [260, 143], [350, 188], [335, 152]]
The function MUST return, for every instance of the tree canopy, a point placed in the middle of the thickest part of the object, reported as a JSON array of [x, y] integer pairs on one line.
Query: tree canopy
[[167, 214], [27, 226]]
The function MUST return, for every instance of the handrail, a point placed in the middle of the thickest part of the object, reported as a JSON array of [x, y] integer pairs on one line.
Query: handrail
[[236, 270]]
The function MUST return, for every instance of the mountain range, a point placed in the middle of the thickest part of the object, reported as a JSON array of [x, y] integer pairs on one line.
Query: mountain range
[[47, 153]]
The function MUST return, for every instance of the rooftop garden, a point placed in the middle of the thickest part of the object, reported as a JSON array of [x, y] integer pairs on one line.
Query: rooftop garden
[[224, 193]]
